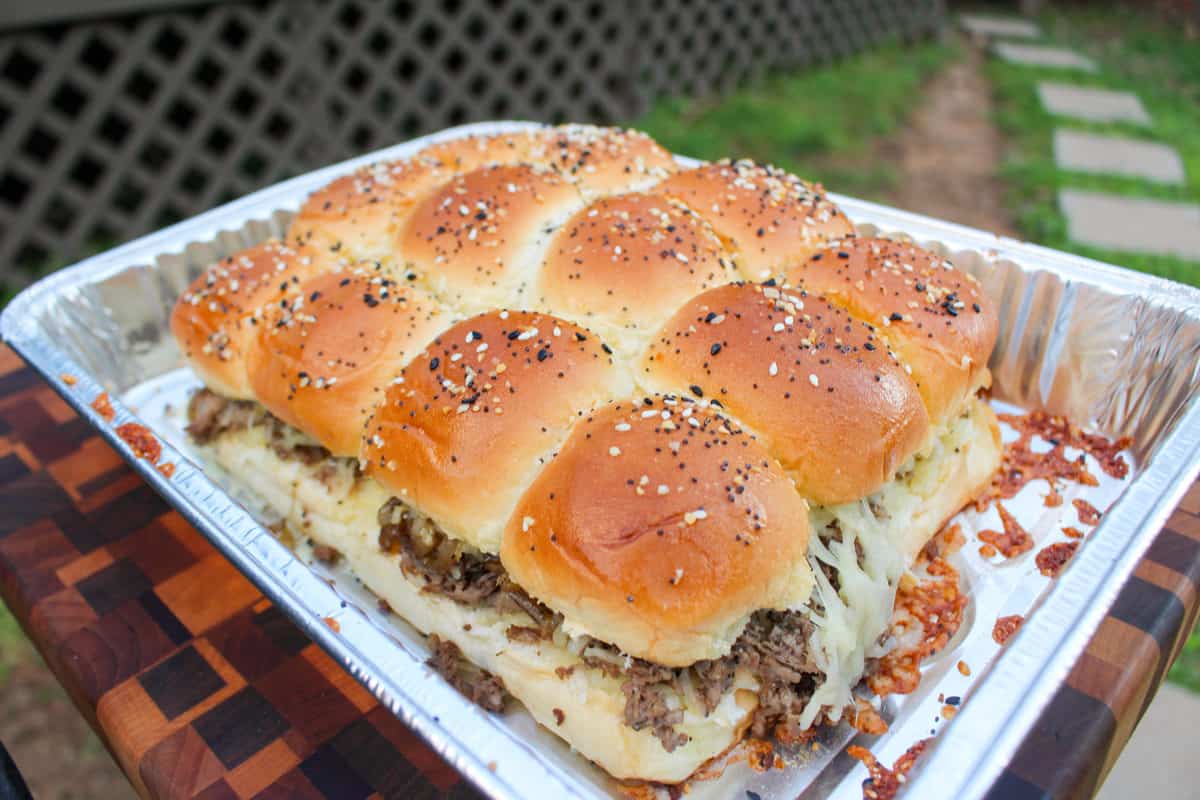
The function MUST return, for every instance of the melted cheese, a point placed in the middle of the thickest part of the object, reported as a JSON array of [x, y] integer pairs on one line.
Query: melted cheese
[[851, 622]]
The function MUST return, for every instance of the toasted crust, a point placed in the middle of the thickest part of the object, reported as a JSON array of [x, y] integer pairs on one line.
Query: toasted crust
[[602, 161], [625, 263], [479, 412], [769, 218], [218, 314], [466, 154], [598, 161], [660, 527], [935, 317], [476, 242], [355, 217], [325, 355], [832, 404]]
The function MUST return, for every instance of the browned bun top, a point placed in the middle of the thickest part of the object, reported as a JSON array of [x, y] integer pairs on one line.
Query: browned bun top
[[477, 240], [217, 315], [603, 161], [326, 354], [660, 527], [935, 317], [472, 418], [769, 218], [822, 389], [628, 261], [354, 218], [472, 152]]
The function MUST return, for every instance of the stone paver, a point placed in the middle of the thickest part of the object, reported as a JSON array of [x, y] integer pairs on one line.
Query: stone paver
[[1032, 55], [1159, 762], [1095, 105], [1132, 224], [1001, 27], [1117, 155]]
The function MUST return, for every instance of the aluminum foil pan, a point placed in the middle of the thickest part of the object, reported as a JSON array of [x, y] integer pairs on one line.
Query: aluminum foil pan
[[1113, 350]]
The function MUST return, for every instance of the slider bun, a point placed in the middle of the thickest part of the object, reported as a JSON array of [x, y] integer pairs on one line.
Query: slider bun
[[948, 326], [832, 404], [358, 216], [217, 316], [597, 160], [477, 240], [625, 262], [769, 218], [469, 153], [603, 161], [325, 355], [667, 574], [459, 439], [355, 217]]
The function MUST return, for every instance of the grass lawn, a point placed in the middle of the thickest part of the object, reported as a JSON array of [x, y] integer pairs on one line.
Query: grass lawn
[[14, 647], [819, 124], [1137, 53]]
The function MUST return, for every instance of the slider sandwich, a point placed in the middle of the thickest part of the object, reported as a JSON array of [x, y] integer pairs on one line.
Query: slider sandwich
[[653, 447]]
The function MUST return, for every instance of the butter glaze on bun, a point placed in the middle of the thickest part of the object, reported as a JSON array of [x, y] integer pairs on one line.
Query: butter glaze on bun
[[934, 316], [660, 527], [477, 241], [479, 411], [820, 388], [626, 262], [769, 218], [603, 161], [325, 354], [218, 314], [355, 217]]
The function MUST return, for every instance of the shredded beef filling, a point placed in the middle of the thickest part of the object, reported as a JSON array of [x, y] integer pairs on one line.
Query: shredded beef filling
[[477, 685], [773, 647], [453, 570], [210, 416]]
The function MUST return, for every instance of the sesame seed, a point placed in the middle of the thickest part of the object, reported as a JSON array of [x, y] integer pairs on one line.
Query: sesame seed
[[526, 524], [773, 370], [614, 451], [623, 426], [663, 488]]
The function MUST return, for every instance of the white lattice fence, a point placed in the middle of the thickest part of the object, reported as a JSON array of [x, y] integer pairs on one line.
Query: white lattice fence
[[110, 128]]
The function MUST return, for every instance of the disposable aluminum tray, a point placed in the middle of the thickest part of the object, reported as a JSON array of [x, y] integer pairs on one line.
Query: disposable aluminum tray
[[1113, 350]]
